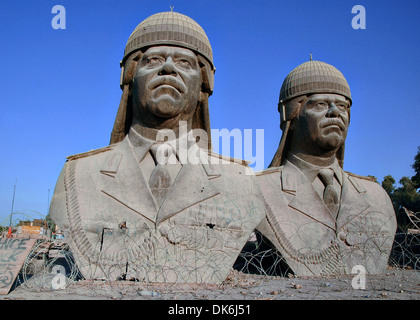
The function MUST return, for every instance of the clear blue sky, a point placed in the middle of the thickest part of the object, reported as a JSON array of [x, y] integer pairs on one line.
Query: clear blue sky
[[60, 92]]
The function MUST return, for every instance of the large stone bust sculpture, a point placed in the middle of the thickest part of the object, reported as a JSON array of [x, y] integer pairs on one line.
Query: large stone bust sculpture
[[156, 204], [322, 220]]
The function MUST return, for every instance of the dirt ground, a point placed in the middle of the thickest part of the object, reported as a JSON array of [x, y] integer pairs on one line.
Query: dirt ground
[[395, 284]]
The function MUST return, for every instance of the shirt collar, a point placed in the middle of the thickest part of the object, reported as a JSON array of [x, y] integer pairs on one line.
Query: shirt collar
[[142, 145], [311, 171]]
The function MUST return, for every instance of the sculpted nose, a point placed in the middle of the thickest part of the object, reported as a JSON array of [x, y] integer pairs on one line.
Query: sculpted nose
[[333, 111], [168, 68]]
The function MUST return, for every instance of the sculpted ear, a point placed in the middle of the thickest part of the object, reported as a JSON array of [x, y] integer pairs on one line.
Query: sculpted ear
[[348, 110], [290, 109], [129, 68], [124, 114], [207, 75], [202, 97]]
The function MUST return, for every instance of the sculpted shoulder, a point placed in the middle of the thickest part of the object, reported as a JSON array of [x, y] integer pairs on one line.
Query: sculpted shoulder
[[91, 153], [269, 171], [363, 183], [373, 191], [225, 159], [227, 164]]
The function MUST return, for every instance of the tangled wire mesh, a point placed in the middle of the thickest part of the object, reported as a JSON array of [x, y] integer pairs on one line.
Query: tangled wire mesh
[[51, 265]]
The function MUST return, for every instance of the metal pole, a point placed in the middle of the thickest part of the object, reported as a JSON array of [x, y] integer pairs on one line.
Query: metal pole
[[13, 202], [48, 204], [48, 212]]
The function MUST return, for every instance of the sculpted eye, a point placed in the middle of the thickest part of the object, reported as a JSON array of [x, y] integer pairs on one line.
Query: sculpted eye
[[321, 105], [153, 61], [183, 63], [342, 106]]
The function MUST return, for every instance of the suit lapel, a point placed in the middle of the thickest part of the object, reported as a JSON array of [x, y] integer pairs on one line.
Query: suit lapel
[[353, 202], [191, 186], [124, 182], [306, 200]]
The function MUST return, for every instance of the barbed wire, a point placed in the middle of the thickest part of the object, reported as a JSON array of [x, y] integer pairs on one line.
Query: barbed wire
[[405, 251], [48, 263], [51, 266]]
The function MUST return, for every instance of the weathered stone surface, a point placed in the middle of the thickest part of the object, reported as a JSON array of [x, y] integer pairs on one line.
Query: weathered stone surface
[[126, 213], [319, 233]]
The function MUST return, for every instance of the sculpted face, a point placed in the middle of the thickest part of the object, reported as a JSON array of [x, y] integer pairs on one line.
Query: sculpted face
[[167, 85], [322, 123]]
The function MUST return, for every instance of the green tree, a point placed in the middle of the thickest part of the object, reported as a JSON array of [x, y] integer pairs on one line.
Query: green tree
[[50, 222], [416, 167], [388, 184], [407, 195]]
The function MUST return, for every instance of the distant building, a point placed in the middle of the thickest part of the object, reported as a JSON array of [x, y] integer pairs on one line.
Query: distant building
[[33, 229]]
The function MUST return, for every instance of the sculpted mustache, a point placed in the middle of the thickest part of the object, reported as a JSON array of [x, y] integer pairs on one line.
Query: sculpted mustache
[[167, 81], [329, 122]]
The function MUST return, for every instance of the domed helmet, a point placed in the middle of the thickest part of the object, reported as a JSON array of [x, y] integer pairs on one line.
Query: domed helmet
[[308, 78], [169, 29]]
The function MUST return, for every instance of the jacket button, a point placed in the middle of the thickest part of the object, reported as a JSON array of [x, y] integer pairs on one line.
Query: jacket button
[[342, 236]]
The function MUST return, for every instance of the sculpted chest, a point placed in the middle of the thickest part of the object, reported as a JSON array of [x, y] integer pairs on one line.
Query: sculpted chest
[[195, 235], [310, 239]]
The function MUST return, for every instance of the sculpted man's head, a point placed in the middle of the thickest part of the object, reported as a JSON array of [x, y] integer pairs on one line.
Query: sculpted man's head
[[166, 87], [320, 127], [167, 76], [314, 108]]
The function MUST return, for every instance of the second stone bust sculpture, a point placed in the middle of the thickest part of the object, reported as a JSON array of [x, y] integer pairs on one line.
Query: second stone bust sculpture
[[322, 219]]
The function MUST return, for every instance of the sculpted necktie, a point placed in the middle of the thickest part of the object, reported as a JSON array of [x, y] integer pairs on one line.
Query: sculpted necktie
[[330, 195], [160, 180]]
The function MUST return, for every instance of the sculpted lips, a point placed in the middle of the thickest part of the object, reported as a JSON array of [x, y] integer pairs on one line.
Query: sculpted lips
[[333, 122], [167, 81]]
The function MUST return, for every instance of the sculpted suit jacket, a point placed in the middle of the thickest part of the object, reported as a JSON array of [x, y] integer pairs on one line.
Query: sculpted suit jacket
[[314, 242], [115, 228]]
